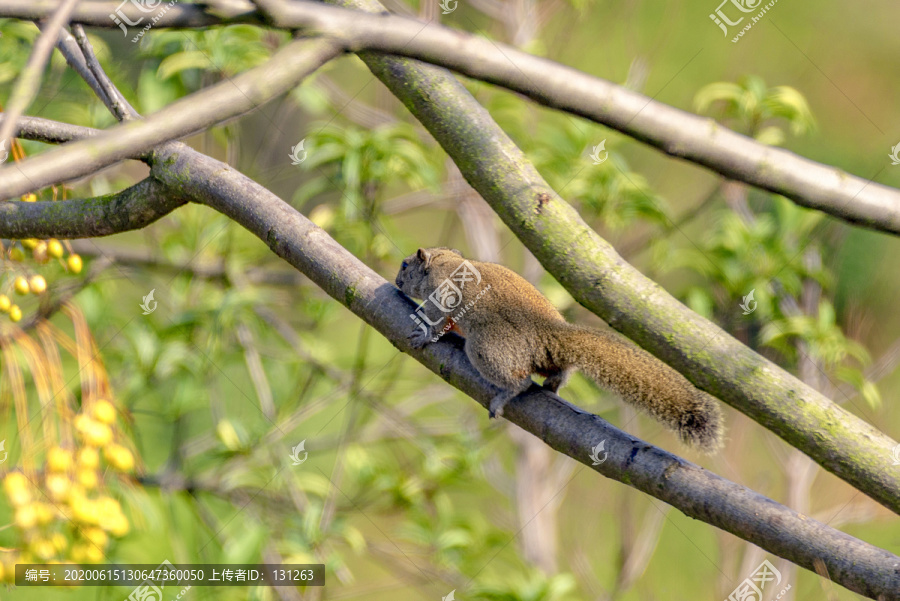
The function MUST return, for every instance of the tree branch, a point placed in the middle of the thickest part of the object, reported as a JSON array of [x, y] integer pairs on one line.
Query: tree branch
[[598, 278], [179, 15], [69, 48], [216, 104], [677, 133], [854, 564], [115, 102], [53, 132], [131, 209], [30, 80], [631, 303], [698, 493]]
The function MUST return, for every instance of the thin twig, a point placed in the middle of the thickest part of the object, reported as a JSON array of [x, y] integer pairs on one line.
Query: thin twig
[[673, 131], [696, 492], [257, 372], [599, 279], [68, 47], [117, 103], [30, 81], [631, 247], [216, 104]]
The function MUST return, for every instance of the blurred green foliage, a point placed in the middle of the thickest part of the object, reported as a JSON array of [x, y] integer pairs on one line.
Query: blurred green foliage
[[400, 496]]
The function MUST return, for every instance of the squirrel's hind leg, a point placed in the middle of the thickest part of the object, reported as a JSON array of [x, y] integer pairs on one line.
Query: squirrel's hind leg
[[495, 409], [557, 380], [501, 362]]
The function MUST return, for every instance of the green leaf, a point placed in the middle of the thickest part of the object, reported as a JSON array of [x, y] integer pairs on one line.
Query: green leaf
[[770, 135], [717, 92], [700, 301], [182, 61], [866, 388], [245, 543], [354, 538], [788, 103], [454, 538]]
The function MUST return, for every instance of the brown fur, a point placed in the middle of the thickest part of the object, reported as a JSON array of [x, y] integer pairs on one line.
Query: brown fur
[[513, 331]]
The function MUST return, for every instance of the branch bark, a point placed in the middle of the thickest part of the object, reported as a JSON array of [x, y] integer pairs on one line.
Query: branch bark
[[179, 15], [854, 564], [598, 278], [30, 80], [131, 209], [677, 133], [214, 105], [52, 132]]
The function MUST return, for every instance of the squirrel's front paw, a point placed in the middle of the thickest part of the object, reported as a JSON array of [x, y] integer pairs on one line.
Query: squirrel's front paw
[[419, 339]]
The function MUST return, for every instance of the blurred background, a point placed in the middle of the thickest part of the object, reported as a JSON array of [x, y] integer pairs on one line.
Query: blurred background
[[198, 401]]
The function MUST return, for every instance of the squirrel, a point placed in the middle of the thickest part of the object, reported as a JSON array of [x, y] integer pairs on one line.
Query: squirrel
[[512, 331]]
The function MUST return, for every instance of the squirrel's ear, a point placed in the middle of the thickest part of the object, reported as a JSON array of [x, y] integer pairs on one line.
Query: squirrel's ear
[[453, 250], [424, 256]]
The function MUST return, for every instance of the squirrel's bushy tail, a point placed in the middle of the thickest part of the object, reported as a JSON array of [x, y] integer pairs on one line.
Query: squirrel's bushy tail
[[645, 381]]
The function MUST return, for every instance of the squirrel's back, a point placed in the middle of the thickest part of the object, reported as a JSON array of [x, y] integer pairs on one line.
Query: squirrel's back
[[512, 331]]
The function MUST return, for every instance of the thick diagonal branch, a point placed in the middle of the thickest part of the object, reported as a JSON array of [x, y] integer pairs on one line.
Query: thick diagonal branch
[[596, 276], [592, 271], [854, 564], [697, 492]]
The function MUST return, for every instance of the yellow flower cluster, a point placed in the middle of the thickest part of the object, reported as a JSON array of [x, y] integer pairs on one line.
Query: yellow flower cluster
[[42, 251], [73, 519]]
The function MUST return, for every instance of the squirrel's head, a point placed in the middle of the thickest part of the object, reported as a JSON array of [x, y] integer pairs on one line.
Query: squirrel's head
[[413, 278]]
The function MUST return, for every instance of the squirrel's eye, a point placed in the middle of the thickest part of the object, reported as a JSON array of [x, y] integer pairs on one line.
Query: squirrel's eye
[[404, 265]]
